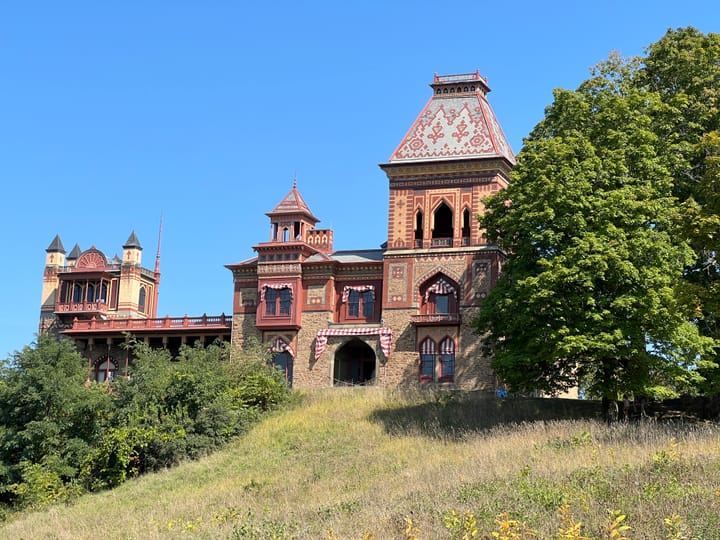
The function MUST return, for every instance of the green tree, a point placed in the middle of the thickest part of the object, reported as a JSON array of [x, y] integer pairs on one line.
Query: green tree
[[684, 68], [587, 296], [49, 418]]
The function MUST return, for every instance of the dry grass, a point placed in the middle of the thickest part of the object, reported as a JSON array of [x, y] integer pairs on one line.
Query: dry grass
[[357, 463]]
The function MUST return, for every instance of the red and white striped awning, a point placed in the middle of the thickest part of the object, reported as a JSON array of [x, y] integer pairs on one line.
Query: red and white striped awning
[[279, 346], [385, 337], [427, 346], [357, 288], [440, 287], [275, 286], [447, 346]]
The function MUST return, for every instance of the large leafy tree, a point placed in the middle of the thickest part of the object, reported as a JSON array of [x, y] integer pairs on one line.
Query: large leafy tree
[[587, 296], [684, 68]]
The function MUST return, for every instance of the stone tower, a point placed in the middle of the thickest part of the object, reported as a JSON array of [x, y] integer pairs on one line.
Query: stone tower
[[437, 265]]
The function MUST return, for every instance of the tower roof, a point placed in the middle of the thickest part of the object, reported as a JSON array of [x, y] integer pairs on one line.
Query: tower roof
[[75, 253], [132, 242], [56, 246], [293, 203], [456, 123]]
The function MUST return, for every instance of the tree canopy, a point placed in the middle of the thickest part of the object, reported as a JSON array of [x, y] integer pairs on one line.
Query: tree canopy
[[595, 225]]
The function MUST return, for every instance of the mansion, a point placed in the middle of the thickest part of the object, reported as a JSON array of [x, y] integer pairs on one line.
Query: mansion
[[398, 315]]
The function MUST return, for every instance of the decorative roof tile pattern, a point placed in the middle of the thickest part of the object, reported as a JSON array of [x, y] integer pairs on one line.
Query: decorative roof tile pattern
[[457, 123], [293, 203]]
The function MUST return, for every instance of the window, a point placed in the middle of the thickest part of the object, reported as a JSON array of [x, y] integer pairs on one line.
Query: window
[[442, 232], [434, 366], [447, 360], [361, 303], [141, 300], [440, 297], [360, 300], [278, 300], [427, 360]]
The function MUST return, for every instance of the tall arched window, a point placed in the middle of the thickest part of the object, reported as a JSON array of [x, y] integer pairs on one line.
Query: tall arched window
[[427, 360], [141, 300], [418, 229], [466, 227], [105, 369], [447, 360], [442, 226]]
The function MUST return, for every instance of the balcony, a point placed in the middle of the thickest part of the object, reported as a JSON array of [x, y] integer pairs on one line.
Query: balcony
[[187, 324], [436, 319]]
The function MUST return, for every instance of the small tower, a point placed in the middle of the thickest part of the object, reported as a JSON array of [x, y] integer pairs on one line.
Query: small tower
[[74, 255], [135, 297], [132, 250], [54, 263]]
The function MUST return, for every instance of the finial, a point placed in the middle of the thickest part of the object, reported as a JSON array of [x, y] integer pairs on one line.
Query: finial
[[295, 180]]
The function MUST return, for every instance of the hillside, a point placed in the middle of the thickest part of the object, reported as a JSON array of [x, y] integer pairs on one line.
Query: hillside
[[360, 463]]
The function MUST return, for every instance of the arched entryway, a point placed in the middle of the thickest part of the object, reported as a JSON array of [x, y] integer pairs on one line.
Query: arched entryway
[[355, 364]]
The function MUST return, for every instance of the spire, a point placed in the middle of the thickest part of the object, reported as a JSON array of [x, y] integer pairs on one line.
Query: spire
[[56, 246], [157, 270], [75, 253], [132, 242]]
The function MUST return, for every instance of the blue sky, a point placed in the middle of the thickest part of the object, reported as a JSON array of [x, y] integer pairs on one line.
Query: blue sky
[[112, 114]]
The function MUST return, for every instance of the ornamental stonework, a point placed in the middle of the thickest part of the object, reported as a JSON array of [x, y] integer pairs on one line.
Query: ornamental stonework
[[266, 269], [397, 284], [480, 279], [248, 297], [315, 295], [425, 268]]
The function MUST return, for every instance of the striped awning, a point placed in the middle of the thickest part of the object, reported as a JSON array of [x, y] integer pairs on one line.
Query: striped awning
[[440, 287], [279, 346], [447, 346], [427, 347], [267, 286], [357, 288], [385, 337]]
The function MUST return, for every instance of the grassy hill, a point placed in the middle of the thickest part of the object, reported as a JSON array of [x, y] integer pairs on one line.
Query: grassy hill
[[368, 463]]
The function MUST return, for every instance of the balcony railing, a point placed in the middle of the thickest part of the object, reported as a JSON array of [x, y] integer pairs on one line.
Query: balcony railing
[[82, 307], [436, 319], [175, 323]]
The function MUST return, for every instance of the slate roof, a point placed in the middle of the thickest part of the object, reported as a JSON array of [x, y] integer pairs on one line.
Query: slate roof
[[56, 246], [350, 256], [456, 123], [132, 242], [75, 253]]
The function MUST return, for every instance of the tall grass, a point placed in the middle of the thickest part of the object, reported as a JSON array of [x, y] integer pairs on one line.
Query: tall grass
[[368, 463]]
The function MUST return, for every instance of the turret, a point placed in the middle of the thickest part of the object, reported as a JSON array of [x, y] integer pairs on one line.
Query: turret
[[54, 262], [132, 250]]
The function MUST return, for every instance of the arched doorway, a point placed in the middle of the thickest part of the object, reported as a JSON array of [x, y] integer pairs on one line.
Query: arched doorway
[[355, 364]]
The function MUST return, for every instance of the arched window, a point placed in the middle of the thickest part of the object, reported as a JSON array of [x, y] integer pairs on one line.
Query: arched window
[[78, 293], [418, 229], [447, 360], [427, 360], [141, 300], [442, 226], [105, 369], [466, 226], [285, 234], [440, 296]]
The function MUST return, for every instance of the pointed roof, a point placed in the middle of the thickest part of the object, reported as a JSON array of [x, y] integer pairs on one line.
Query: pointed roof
[[56, 246], [75, 253], [293, 203], [132, 242], [456, 123]]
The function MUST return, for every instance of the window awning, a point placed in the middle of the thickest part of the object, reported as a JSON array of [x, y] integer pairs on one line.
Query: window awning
[[279, 346], [385, 337], [440, 287], [357, 288], [275, 286]]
